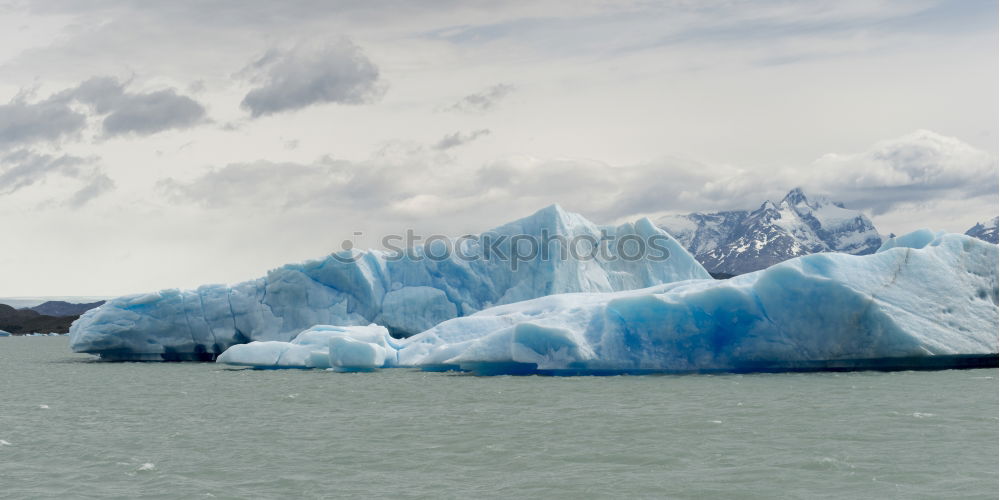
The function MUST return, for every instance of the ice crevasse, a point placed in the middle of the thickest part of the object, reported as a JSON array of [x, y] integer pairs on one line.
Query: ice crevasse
[[406, 296], [923, 298]]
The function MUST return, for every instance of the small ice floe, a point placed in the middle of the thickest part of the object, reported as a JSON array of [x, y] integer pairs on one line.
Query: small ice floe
[[922, 415], [146, 466], [715, 421], [44, 407], [4, 442]]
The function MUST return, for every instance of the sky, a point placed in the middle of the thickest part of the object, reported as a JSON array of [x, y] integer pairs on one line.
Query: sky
[[170, 144]]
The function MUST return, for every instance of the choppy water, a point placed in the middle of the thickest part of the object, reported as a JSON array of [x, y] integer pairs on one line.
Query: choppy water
[[70, 427]]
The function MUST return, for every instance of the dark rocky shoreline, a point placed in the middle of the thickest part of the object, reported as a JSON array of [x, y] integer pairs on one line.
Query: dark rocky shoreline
[[50, 317]]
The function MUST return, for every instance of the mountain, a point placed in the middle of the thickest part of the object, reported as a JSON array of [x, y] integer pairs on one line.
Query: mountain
[[63, 308], [986, 231], [741, 241], [20, 321]]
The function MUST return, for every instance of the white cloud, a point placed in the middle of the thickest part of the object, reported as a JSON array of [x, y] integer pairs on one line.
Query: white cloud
[[918, 167], [23, 169]]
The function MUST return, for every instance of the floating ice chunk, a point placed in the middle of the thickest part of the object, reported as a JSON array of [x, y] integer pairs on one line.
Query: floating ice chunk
[[929, 297], [321, 346], [347, 354], [267, 354]]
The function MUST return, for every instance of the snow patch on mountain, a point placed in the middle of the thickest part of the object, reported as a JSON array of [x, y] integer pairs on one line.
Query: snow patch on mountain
[[986, 231], [742, 241]]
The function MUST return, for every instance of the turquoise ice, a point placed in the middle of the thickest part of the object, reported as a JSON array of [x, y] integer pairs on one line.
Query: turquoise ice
[[354, 288], [922, 297]]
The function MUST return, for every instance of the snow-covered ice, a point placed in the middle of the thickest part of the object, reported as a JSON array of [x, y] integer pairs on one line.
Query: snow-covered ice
[[406, 295], [922, 295]]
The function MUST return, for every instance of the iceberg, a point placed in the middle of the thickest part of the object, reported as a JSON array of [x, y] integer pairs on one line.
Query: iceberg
[[406, 292], [340, 348], [922, 300]]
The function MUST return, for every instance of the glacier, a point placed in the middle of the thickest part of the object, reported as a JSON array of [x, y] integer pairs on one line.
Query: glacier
[[923, 299], [405, 295]]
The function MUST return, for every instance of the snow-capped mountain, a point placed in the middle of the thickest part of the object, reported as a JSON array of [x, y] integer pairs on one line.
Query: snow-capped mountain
[[986, 231], [741, 241]]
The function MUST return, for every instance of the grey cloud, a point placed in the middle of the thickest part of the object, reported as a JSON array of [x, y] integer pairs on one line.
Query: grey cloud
[[23, 168], [314, 73], [136, 113], [457, 139], [23, 123], [100, 92], [145, 114], [98, 184], [482, 101]]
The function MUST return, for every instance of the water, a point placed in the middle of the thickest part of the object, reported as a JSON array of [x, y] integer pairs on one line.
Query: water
[[71, 427]]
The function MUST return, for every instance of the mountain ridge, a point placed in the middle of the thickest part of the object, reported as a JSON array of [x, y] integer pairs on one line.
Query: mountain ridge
[[741, 241], [986, 231]]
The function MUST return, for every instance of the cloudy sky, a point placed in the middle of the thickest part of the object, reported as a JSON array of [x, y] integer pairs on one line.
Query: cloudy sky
[[169, 144]]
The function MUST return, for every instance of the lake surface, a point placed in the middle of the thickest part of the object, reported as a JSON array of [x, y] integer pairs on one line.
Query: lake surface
[[74, 427]]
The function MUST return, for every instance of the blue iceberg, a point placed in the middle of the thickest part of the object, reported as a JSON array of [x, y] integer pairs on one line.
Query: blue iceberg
[[406, 293], [923, 300]]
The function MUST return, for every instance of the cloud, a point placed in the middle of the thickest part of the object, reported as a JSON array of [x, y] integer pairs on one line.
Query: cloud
[[139, 113], [482, 101], [308, 74], [324, 183], [918, 167], [101, 93], [98, 184], [23, 168], [23, 123], [458, 139], [144, 114]]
